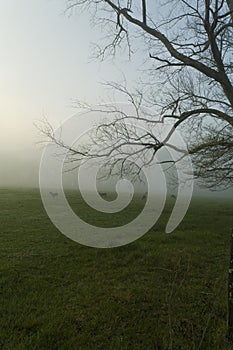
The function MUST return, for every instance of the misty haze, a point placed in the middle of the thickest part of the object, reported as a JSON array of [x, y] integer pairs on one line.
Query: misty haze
[[116, 169]]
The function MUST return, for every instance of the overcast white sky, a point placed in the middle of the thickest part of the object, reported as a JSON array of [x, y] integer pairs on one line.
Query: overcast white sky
[[44, 63]]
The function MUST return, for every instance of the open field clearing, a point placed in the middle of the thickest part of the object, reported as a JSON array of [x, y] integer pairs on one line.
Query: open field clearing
[[160, 292]]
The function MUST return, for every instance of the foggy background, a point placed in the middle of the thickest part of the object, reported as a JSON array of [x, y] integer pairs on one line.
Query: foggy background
[[44, 64]]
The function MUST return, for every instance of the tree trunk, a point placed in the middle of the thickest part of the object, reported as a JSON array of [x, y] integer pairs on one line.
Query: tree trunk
[[230, 293]]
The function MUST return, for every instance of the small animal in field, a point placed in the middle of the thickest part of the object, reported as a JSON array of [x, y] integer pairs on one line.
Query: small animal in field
[[53, 194], [144, 196], [173, 196], [103, 194]]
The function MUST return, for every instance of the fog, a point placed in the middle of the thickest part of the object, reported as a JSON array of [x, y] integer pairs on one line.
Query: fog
[[44, 64]]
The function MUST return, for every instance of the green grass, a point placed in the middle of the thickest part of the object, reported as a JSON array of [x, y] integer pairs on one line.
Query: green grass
[[160, 292]]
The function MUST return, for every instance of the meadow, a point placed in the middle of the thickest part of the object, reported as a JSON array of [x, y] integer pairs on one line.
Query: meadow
[[163, 291]]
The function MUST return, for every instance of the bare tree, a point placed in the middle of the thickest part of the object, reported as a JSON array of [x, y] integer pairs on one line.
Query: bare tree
[[189, 84]]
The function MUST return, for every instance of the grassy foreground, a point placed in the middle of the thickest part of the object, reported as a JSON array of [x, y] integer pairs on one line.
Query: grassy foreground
[[160, 292]]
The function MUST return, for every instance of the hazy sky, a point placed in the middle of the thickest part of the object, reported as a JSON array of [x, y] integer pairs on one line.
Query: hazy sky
[[44, 63]]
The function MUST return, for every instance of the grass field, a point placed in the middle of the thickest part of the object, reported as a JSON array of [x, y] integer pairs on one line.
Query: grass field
[[160, 292]]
